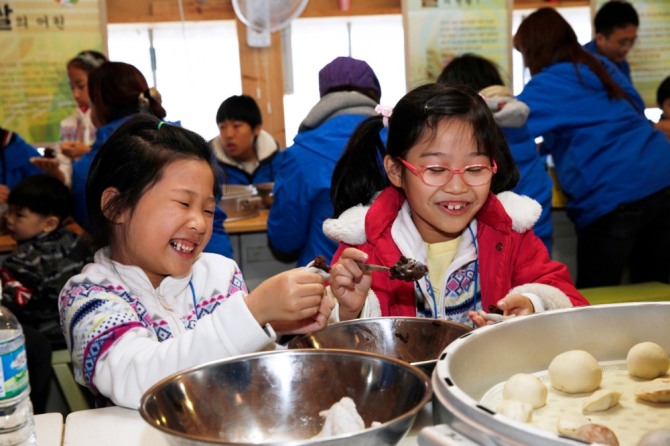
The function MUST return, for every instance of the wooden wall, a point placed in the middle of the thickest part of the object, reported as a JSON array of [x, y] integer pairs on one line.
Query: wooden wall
[[260, 78]]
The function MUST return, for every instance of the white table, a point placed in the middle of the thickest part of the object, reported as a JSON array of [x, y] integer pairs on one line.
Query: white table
[[113, 426], [110, 426], [49, 429]]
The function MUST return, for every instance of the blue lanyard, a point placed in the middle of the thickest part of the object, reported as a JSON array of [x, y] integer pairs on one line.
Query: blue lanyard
[[474, 242], [195, 306], [431, 294]]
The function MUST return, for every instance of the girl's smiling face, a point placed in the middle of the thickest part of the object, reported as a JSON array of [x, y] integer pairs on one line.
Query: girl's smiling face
[[441, 213], [171, 223]]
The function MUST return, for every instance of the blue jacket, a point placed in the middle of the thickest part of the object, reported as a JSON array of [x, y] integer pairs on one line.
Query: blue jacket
[[534, 182], [81, 167], [269, 159], [265, 173], [623, 65], [219, 243], [302, 185], [606, 152], [15, 162], [302, 189]]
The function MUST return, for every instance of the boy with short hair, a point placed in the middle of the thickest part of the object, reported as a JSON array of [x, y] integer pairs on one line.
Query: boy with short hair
[[246, 153], [47, 255]]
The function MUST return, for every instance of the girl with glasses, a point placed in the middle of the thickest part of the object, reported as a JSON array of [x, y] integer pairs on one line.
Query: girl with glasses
[[429, 195]]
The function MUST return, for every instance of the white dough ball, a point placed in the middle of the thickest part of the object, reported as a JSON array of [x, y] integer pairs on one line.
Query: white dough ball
[[526, 388], [656, 437], [647, 360], [516, 410], [575, 371]]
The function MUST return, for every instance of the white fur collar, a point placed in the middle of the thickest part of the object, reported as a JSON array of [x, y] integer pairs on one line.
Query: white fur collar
[[349, 227]]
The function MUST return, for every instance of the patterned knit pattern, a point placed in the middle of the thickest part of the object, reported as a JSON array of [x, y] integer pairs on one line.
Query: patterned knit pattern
[[459, 297], [94, 316]]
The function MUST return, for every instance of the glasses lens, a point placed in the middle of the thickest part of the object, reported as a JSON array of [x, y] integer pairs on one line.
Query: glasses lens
[[472, 175], [436, 176], [477, 175]]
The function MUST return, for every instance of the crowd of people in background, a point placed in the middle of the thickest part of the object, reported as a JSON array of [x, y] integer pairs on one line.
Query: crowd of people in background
[[451, 176]]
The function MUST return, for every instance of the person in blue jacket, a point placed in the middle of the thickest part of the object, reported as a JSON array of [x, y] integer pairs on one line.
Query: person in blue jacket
[[349, 91], [118, 91], [615, 24], [612, 164], [246, 153], [482, 76], [15, 165]]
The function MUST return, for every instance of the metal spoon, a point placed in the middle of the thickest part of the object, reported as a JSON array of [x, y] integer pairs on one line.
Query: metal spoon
[[372, 267]]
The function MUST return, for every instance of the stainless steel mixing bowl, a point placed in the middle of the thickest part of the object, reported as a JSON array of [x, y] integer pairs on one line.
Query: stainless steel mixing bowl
[[274, 398], [418, 341], [472, 365]]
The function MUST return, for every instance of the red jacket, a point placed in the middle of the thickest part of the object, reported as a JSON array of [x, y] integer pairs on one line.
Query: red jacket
[[507, 258]]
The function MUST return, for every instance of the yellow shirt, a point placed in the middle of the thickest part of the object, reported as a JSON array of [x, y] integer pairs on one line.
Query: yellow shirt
[[440, 255]]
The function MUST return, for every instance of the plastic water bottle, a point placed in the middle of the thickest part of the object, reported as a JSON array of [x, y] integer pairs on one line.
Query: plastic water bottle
[[16, 410]]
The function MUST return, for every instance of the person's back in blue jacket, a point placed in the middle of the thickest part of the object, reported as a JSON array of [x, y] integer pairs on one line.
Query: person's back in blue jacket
[[611, 163], [15, 157], [349, 93]]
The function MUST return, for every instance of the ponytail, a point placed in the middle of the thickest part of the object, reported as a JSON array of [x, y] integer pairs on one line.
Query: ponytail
[[359, 173]]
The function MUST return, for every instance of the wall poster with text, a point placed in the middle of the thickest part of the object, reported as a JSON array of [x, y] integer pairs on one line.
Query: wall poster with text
[[37, 38], [439, 30], [649, 57]]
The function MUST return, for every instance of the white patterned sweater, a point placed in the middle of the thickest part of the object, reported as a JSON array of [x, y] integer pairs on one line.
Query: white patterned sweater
[[124, 335]]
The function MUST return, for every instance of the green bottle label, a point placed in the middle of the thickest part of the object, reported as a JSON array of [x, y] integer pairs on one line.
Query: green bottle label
[[13, 373]]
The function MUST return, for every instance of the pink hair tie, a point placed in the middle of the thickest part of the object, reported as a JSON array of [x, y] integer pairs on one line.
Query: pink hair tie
[[386, 112]]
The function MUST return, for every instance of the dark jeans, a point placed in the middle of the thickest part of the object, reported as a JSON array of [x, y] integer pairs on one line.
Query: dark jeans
[[634, 236]]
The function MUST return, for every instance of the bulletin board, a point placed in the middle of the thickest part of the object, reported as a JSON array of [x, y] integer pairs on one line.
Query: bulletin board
[[439, 30], [38, 38], [649, 57]]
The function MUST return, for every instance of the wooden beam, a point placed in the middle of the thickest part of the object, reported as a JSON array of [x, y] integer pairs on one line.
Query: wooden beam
[[138, 11], [263, 79]]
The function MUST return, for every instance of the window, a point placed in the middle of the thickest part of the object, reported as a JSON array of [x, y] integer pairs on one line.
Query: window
[[197, 63], [378, 40], [197, 66]]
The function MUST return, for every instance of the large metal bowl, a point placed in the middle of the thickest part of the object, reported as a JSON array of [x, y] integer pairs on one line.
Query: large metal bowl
[[418, 341], [473, 364], [274, 398]]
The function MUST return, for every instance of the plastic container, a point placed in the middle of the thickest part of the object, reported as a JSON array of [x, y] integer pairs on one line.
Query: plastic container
[[16, 410]]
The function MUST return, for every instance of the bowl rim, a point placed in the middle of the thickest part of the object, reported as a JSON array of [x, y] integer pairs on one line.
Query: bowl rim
[[428, 392], [386, 319]]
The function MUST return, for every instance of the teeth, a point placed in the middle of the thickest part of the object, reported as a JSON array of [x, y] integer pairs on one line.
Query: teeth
[[455, 207], [179, 247]]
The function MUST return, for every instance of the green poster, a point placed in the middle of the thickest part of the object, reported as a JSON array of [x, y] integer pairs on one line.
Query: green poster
[[37, 38], [438, 30]]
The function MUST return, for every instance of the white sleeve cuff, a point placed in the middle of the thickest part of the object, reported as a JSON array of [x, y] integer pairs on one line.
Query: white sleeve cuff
[[536, 301]]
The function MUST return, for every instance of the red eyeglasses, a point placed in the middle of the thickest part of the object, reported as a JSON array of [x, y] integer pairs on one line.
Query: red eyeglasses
[[437, 176]]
